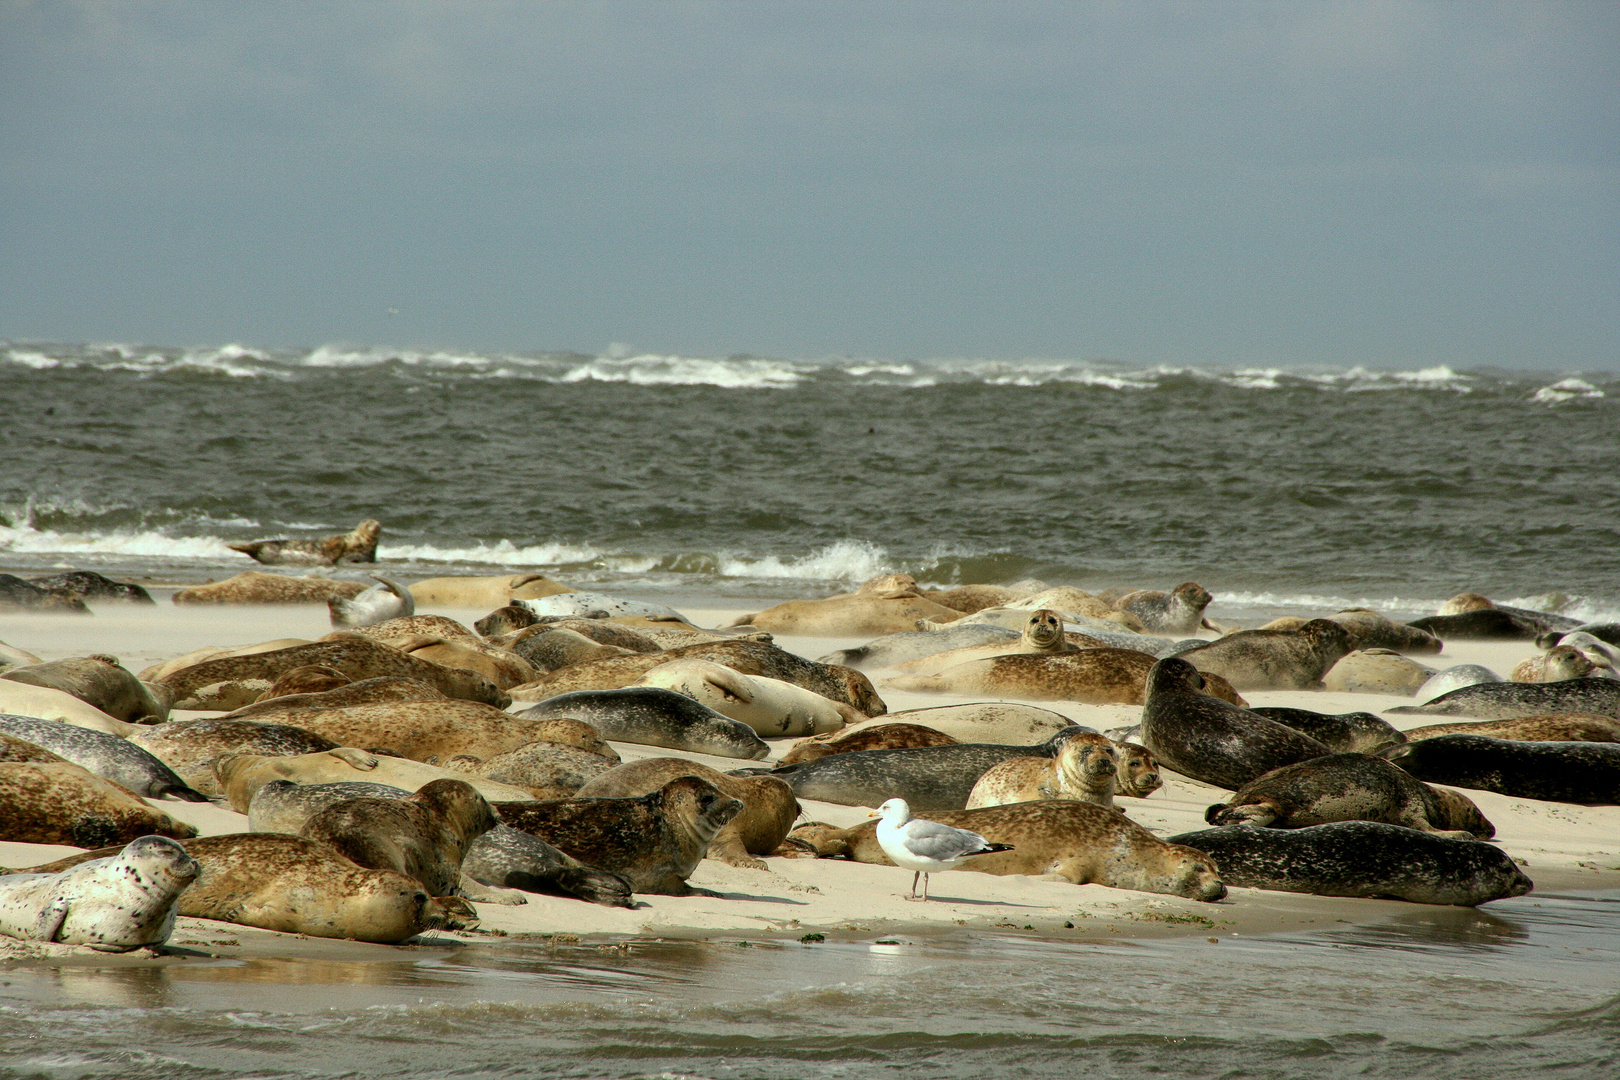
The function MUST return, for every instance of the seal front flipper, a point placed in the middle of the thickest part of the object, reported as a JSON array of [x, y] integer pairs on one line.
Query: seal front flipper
[[51, 919]]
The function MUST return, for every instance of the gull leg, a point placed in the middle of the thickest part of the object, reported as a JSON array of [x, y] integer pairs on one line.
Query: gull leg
[[925, 888], [914, 878]]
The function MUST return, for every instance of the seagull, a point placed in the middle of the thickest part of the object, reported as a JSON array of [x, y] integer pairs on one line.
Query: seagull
[[925, 846]]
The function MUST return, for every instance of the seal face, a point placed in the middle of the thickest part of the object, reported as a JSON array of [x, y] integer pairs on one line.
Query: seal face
[[111, 904], [1084, 770], [1585, 773], [1361, 858]]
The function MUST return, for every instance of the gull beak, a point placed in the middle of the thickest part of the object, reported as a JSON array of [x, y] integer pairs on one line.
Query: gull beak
[[875, 813]]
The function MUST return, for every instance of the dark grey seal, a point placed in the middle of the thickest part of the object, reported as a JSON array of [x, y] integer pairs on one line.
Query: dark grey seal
[[1609, 632], [927, 777], [1361, 858], [189, 747], [1507, 700], [653, 716], [1213, 740], [1499, 624], [17, 594], [107, 756], [1585, 773], [89, 585], [1358, 732]]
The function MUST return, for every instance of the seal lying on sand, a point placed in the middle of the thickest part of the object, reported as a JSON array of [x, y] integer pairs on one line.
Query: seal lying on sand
[[1274, 659], [359, 545], [885, 605], [21, 699], [1506, 700], [653, 716], [769, 706], [1376, 671], [89, 585], [1091, 676], [242, 775], [107, 756], [1043, 634], [19, 595], [1555, 665], [1370, 630], [1491, 624], [1361, 858], [656, 840], [1585, 773], [1551, 727], [439, 729], [1356, 732], [872, 737], [385, 600], [100, 681], [1455, 678], [189, 747], [363, 692], [483, 593], [112, 904], [1078, 842], [559, 647], [258, 587], [892, 649], [1084, 770], [546, 770], [1179, 611], [423, 836], [988, 722], [1350, 787], [47, 803]]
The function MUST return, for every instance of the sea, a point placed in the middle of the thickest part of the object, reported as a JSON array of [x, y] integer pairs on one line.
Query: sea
[[1283, 490]]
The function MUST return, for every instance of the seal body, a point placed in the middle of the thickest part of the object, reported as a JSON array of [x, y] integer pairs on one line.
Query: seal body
[[1370, 630], [1455, 678], [423, 836], [768, 706], [1361, 858], [1008, 722], [99, 681], [597, 605], [892, 649], [654, 716], [1506, 700], [1485, 624], [48, 803], [242, 775], [547, 770], [1376, 671], [869, 737], [21, 699], [1084, 770], [107, 756], [189, 747], [19, 595], [1586, 773], [1092, 676], [1274, 659], [359, 545], [484, 592], [259, 587], [344, 694], [385, 600], [1180, 611], [89, 585], [863, 612], [111, 904], [438, 729], [1553, 727], [1358, 732]]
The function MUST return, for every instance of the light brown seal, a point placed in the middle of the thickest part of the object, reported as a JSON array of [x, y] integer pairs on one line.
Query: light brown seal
[[1555, 665], [1179, 611], [1042, 634], [546, 770], [504, 669], [100, 681], [1465, 602], [970, 598], [421, 730], [770, 707], [402, 627], [43, 702], [50, 803], [769, 807], [1075, 841], [1084, 770], [601, 631], [423, 836], [15, 749], [309, 679], [364, 692], [1066, 598], [1376, 671], [1090, 676], [359, 545], [483, 593], [881, 610], [242, 775], [1007, 722], [1547, 727], [259, 587], [867, 737], [656, 840], [556, 647], [1138, 771], [156, 672], [1274, 659], [189, 747], [1370, 630]]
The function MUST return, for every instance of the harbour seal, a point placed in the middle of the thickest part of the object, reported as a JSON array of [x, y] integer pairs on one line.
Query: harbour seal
[[1361, 858], [309, 679], [13, 657], [653, 716], [1084, 770], [100, 681], [1007, 722], [1211, 740], [21, 699], [107, 756], [423, 836], [847, 615], [1484, 624], [1273, 659], [1356, 732], [1090, 676], [1137, 774], [387, 599], [48, 803], [359, 545], [259, 587], [768, 810], [1552, 727], [600, 631], [1376, 671], [1455, 678], [242, 775], [1074, 841], [1043, 634], [504, 669], [438, 729], [1072, 601], [655, 840], [15, 749], [156, 672], [19, 595], [1506, 700], [483, 593], [769, 706], [971, 598], [189, 747], [597, 605], [892, 649], [1371, 630], [1600, 652], [546, 770], [1585, 773], [89, 585], [558, 647], [872, 737], [364, 692], [1350, 787], [282, 806], [113, 904], [1179, 611], [928, 778], [1555, 665]]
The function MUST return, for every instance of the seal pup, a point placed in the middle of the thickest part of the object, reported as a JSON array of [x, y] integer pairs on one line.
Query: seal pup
[[423, 836], [387, 599], [106, 756], [1211, 740], [189, 747], [112, 904], [242, 775], [89, 585], [1273, 659], [362, 692], [1506, 700], [1085, 770], [22, 699], [1362, 858], [1376, 671], [1356, 732], [1090, 676], [359, 545], [1455, 678], [655, 840], [49, 803], [926, 847], [259, 587], [768, 812], [546, 770], [100, 681], [654, 716], [1350, 787], [439, 729], [1555, 665], [769, 706], [1584, 773], [1179, 611], [1552, 727], [871, 737], [1073, 841], [1137, 774], [1370, 630]]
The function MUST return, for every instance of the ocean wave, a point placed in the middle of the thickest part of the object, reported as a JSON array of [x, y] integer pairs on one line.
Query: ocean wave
[[26, 540], [845, 560], [1566, 390]]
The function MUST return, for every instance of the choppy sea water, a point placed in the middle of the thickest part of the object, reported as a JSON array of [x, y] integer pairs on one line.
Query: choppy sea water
[[746, 476], [1524, 988]]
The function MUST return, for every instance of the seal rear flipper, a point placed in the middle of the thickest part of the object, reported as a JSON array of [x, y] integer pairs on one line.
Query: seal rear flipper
[[184, 794]]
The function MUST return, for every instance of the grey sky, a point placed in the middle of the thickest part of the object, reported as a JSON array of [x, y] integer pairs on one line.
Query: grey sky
[[1387, 184]]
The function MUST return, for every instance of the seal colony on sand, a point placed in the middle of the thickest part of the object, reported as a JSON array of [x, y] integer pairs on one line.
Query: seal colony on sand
[[359, 545], [107, 756], [112, 904], [1350, 787]]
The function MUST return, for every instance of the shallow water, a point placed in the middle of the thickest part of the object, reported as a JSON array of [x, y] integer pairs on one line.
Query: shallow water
[[1526, 987]]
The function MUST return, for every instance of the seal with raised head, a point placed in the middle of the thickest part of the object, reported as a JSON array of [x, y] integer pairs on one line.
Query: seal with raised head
[[653, 716], [423, 836], [1550, 727], [655, 840], [1555, 665], [89, 585], [189, 747], [1211, 740], [1356, 732], [107, 756], [50, 803], [113, 904], [260, 587], [1043, 634], [1137, 774], [387, 599], [1273, 659], [1506, 700], [1584, 773], [1091, 676], [1350, 787], [358, 545], [1084, 770], [1179, 611], [1079, 842], [1361, 858], [869, 737], [100, 681], [769, 808], [242, 775], [769, 706]]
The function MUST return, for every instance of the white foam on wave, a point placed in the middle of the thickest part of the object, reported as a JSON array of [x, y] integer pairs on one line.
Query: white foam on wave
[[653, 370], [26, 539], [1566, 390], [844, 560], [500, 553], [1321, 602]]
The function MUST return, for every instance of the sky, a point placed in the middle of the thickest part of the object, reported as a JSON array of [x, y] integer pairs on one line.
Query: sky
[[1386, 184]]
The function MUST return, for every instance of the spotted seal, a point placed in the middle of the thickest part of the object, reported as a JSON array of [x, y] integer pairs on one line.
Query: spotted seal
[[438, 729], [1370, 630], [1454, 678], [1551, 727], [600, 606], [361, 692], [309, 679], [387, 599], [1485, 624], [1084, 769], [260, 587], [1043, 634], [113, 904], [1137, 774], [893, 649], [769, 706], [358, 545], [1179, 611], [1361, 858], [242, 775], [50, 803], [869, 737], [19, 595], [546, 770], [559, 647], [423, 836], [1358, 732], [1273, 659], [89, 585], [1555, 665], [100, 681], [1585, 773], [106, 756], [654, 716], [971, 598], [1091, 676], [1506, 700], [1008, 722], [189, 747]]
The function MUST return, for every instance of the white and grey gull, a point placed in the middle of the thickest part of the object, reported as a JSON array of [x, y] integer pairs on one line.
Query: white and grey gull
[[925, 846]]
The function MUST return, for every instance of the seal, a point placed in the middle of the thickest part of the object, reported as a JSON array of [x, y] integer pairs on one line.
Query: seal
[[47, 803], [13, 657], [242, 775], [102, 682], [438, 729], [1454, 678], [309, 679], [1273, 659], [1072, 601], [1594, 648], [259, 587], [1484, 624], [21, 699], [1091, 676], [106, 756], [988, 722], [1362, 858], [1356, 732], [112, 904], [1350, 787], [15, 749], [1584, 773], [972, 598], [365, 692], [359, 545], [598, 630], [768, 806], [1137, 774], [870, 737], [887, 604], [423, 836], [1555, 665], [1179, 611], [656, 840], [558, 647], [1211, 740], [1552, 727], [509, 858], [189, 747], [1078, 842], [768, 706], [928, 778], [653, 716], [1084, 770], [156, 672], [1506, 700], [546, 770], [387, 599], [19, 595], [483, 593], [595, 605], [282, 806], [1376, 671], [1043, 634], [893, 649], [504, 669], [89, 585], [1370, 630], [234, 681]]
